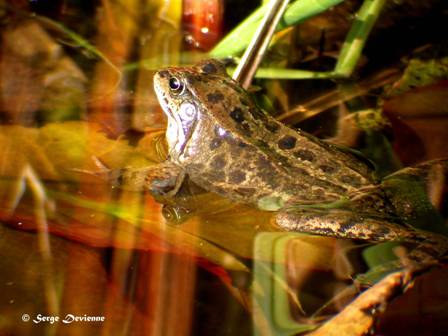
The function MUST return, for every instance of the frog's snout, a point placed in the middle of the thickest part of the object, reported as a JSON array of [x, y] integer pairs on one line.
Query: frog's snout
[[160, 88], [157, 83]]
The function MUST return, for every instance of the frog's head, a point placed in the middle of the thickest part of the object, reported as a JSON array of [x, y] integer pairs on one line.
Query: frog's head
[[176, 90]]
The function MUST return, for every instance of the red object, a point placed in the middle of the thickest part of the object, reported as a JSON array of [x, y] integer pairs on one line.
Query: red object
[[202, 23]]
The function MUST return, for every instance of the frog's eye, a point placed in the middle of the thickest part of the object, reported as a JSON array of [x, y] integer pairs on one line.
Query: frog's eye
[[176, 85]]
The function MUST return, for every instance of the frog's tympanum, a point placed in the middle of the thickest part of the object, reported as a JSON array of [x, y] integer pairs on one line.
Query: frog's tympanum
[[226, 144]]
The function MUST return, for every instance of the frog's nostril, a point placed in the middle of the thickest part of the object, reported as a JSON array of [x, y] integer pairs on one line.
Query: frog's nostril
[[163, 73]]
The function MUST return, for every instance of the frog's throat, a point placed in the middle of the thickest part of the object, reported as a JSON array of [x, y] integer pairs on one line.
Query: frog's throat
[[177, 135]]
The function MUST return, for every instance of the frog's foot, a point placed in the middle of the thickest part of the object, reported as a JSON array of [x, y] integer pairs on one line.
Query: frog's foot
[[162, 181], [430, 249], [165, 181]]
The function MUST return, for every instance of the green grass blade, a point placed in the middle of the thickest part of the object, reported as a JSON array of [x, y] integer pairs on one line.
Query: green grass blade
[[357, 36], [281, 73]]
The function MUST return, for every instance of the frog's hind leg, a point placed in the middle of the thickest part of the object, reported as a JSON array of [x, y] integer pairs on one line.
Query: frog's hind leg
[[429, 249]]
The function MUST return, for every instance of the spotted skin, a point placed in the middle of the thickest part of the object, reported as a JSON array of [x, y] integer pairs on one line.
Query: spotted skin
[[233, 148], [215, 97], [230, 123], [287, 142]]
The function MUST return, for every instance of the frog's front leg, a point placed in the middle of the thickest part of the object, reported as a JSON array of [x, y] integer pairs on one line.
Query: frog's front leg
[[342, 223], [163, 181]]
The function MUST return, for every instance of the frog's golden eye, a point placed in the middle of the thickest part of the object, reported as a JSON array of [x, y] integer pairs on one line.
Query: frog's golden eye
[[176, 85]]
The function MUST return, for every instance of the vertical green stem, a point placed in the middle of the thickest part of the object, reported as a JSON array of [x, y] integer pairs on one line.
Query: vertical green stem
[[357, 36]]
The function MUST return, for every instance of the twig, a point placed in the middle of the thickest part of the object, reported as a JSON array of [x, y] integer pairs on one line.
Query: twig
[[254, 53]]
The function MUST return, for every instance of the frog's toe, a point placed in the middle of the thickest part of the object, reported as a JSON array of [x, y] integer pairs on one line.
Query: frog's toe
[[165, 181], [162, 187]]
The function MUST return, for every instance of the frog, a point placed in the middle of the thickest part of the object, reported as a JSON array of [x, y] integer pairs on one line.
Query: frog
[[222, 141]]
